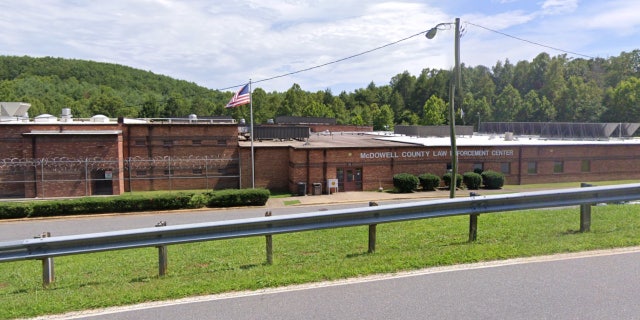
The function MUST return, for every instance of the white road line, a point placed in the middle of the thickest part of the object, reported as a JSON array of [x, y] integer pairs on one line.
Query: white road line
[[323, 284]]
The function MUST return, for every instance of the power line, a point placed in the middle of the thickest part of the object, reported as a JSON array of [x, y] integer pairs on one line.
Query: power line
[[396, 42], [531, 42], [329, 63]]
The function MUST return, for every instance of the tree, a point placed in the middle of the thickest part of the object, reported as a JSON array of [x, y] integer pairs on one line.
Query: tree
[[507, 105], [383, 118], [623, 102], [580, 101], [404, 85], [150, 108], [294, 101], [434, 111]]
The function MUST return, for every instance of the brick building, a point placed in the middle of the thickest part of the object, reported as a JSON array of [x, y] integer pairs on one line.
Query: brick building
[[60, 156], [56, 157], [361, 161]]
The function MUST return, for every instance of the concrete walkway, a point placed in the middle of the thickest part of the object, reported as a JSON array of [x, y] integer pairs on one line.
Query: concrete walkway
[[366, 196]]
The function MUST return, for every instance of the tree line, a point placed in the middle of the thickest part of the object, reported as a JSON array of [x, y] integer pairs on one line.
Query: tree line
[[546, 89]]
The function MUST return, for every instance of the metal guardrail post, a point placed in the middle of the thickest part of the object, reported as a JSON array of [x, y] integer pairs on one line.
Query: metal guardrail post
[[473, 227], [163, 254], [269, 243], [372, 232], [473, 222], [48, 274], [585, 212]]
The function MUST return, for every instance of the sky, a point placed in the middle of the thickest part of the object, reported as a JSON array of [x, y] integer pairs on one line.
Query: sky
[[318, 44]]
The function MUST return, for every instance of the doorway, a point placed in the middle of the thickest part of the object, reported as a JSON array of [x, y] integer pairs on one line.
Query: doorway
[[102, 182], [349, 179]]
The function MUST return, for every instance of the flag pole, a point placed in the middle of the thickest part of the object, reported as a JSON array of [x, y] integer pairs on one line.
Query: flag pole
[[253, 164]]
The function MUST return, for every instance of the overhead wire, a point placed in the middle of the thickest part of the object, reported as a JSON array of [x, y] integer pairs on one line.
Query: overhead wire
[[401, 40], [529, 41]]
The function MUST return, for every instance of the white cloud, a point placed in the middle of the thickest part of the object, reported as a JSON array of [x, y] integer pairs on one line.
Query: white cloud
[[218, 44], [559, 6]]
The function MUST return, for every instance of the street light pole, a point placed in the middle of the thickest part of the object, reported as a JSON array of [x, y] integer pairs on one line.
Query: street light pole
[[455, 80]]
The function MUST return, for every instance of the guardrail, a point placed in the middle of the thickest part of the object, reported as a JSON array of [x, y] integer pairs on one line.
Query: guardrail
[[45, 247]]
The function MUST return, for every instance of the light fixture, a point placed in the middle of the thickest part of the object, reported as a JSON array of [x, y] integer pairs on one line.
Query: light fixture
[[455, 79]]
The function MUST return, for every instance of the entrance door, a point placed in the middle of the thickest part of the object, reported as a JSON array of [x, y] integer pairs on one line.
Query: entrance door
[[102, 182], [349, 179]]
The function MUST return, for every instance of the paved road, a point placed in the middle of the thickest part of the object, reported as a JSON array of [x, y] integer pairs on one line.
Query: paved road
[[595, 285], [25, 229]]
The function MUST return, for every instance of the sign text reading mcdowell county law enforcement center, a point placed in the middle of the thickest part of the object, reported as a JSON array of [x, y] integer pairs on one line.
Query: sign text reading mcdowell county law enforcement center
[[436, 153]]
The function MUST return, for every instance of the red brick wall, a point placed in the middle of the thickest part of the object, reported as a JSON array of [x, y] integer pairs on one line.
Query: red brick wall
[[216, 143], [272, 167]]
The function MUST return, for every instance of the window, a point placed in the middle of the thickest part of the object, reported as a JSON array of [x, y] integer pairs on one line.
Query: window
[[505, 167], [585, 166], [168, 172], [197, 172], [167, 143], [478, 167], [558, 167], [140, 142], [141, 172], [196, 142], [532, 167], [222, 142]]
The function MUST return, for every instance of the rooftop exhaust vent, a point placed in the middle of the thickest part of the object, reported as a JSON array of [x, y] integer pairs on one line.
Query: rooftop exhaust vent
[[14, 109]]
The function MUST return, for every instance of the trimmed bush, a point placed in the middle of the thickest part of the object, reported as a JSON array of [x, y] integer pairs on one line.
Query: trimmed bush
[[134, 203], [472, 180], [405, 182], [492, 179], [428, 181], [234, 198], [15, 210], [447, 179]]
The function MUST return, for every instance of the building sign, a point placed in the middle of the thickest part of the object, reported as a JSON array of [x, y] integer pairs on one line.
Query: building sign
[[437, 153]]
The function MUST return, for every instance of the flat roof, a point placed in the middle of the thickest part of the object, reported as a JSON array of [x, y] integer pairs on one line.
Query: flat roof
[[386, 139], [73, 132]]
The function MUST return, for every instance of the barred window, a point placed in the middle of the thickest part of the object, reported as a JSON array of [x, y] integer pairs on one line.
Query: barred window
[[558, 167], [532, 167]]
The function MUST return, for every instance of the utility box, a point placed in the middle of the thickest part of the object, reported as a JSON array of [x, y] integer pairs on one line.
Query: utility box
[[332, 186], [317, 188]]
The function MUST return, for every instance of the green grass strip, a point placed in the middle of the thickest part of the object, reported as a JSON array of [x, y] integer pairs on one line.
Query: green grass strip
[[130, 276]]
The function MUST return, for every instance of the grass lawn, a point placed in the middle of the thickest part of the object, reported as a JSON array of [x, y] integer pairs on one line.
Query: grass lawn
[[130, 276]]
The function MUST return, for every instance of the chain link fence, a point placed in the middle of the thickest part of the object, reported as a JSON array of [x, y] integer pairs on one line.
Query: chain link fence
[[67, 176]]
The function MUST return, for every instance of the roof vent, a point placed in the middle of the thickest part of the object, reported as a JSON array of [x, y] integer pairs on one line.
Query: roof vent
[[14, 109], [66, 116], [100, 118], [508, 136], [45, 118]]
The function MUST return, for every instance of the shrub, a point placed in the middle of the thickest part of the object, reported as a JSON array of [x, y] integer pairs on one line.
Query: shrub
[[447, 179], [405, 182], [133, 203], [12, 210], [472, 180], [477, 170], [492, 179], [233, 198], [428, 181]]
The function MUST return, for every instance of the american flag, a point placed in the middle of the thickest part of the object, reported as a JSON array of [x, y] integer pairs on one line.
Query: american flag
[[243, 96]]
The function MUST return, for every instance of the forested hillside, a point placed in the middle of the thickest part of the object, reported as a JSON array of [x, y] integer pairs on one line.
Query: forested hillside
[[545, 89]]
